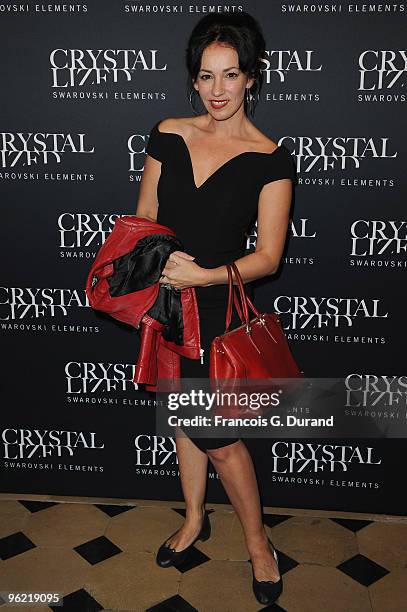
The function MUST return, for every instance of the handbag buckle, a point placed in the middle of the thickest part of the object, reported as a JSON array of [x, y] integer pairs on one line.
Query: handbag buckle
[[248, 328]]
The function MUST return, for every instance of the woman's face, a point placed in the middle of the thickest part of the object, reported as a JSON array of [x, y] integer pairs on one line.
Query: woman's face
[[220, 82]]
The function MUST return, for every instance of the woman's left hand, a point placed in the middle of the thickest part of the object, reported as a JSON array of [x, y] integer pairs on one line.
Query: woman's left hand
[[181, 271]]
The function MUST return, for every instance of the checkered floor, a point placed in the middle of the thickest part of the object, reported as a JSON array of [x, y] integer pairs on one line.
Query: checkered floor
[[101, 557]]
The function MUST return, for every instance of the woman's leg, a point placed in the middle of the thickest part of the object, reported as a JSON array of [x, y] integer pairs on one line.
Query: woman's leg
[[193, 467], [234, 465]]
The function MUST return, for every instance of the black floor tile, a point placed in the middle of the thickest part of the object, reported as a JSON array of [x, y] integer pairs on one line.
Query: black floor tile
[[273, 608], [14, 544], [352, 524], [285, 563], [363, 570], [271, 520], [182, 511], [36, 506], [97, 550], [195, 558], [113, 510], [79, 601], [173, 604]]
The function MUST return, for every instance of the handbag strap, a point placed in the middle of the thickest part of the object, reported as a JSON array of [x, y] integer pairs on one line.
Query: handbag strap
[[246, 302], [231, 296], [253, 308]]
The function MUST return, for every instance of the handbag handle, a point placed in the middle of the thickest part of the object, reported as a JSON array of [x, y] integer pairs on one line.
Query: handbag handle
[[244, 298], [231, 293], [253, 308]]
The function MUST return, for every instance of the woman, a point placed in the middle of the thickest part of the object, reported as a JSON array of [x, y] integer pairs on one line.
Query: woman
[[209, 177]]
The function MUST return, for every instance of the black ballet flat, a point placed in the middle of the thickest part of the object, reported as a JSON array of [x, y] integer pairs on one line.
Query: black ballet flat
[[267, 591], [167, 557]]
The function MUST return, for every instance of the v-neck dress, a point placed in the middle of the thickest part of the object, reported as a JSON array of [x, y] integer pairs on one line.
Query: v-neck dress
[[212, 221]]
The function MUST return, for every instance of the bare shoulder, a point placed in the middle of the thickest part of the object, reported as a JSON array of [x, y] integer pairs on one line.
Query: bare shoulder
[[190, 128], [183, 126], [169, 124], [263, 142], [176, 125]]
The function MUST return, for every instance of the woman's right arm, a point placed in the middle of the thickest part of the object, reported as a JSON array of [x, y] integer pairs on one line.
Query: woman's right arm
[[147, 205]]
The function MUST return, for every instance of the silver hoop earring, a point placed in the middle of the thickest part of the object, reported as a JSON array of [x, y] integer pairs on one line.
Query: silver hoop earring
[[191, 93], [249, 102]]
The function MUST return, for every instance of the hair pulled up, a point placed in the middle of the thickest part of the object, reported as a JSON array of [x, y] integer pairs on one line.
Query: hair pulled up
[[238, 30]]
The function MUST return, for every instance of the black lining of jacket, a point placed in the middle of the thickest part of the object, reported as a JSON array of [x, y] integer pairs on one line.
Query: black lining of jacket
[[141, 268]]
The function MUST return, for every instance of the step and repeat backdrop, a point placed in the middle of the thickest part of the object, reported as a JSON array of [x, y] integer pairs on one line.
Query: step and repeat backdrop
[[82, 85]]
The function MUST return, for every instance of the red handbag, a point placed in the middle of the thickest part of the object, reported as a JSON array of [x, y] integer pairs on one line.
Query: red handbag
[[256, 349]]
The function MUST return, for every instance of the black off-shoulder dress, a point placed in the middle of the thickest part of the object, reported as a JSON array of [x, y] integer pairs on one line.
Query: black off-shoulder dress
[[212, 221]]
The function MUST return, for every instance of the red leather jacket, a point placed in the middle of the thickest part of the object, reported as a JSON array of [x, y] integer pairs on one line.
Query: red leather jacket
[[123, 282]]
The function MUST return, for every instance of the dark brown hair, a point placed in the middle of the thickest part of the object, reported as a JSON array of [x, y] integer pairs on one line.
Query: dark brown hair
[[238, 30]]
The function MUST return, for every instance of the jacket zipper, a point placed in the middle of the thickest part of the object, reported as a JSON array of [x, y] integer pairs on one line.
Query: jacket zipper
[[201, 352]]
